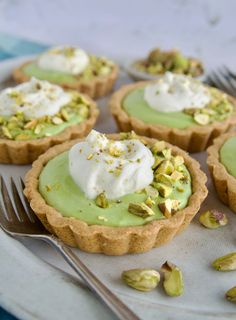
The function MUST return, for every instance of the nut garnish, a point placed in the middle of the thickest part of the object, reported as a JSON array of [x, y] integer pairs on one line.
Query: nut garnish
[[201, 118], [231, 294], [141, 279], [225, 263], [101, 200], [141, 210], [213, 219], [168, 207], [173, 279]]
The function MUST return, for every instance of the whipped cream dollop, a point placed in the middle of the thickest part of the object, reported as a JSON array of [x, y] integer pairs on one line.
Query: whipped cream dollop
[[116, 168], [66, 59], [175, 92], [34, 99]]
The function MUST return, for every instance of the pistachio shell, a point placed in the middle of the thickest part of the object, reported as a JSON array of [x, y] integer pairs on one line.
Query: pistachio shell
[[231, 294], [213, 219], [173, 279], [141, 279], [225, 263]]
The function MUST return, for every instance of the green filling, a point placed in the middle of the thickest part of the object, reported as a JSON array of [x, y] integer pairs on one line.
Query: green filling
[[228, 155], [97, 67], [59, 191], [32, 70], [218, 109], [135, 105]]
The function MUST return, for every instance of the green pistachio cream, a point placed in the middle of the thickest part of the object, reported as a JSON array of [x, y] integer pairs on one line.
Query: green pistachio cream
[[97, 67], [18, 128], [218, 109], [169, 192], [228, 155]]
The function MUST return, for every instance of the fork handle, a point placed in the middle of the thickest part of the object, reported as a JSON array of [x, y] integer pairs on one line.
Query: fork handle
[[109, 298]]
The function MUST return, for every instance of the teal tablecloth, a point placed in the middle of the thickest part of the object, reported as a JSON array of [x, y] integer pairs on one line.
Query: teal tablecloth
[[10, 47]]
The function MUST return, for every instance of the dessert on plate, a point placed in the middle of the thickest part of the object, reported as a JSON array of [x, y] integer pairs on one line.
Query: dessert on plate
[[222, 166], [158, 62], [71, 68], [174, 108], [36, 115], [115, 194]]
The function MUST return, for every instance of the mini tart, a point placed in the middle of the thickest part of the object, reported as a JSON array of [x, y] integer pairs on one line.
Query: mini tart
[[26, 151], [224, 182], [114, 240], [95, 88], [192, 139], [158, 62]]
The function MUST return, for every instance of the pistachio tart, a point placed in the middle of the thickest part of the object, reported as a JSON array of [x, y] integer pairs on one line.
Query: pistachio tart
[[181, 111], [221, 163], [131, 193], [158, 62], [71, 68], [37, 115]]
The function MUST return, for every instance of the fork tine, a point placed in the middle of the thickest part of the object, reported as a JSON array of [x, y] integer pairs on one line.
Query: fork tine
[[216, 79], [230, 81], [232, 74], [10, 211], [18, 203], [26, 204]]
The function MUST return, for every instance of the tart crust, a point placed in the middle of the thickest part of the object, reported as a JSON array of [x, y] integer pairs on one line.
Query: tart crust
[[225, 183], [95, 88], [113, 240], [193, 139], [25, 152]]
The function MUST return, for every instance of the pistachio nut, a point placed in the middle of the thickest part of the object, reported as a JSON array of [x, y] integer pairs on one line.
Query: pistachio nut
[[173, 279], [140, 209], [225, 263], [231, 294], [213, 219], [202, 119], [164, 190], [158, 147], [101, 200], [141, 279]]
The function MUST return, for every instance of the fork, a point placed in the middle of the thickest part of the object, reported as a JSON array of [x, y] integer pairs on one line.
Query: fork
[[224, 79], [18, 219]]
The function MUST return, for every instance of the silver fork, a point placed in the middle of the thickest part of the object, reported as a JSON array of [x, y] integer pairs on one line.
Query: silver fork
[[18, 219], [223, 79]]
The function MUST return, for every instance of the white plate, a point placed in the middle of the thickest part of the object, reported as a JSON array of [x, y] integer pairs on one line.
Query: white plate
[[32, 289]]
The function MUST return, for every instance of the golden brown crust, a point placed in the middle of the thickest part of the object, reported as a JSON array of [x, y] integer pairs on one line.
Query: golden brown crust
[[96, 88], [113, 240], [225, 183], [25, 152], [193, 139]]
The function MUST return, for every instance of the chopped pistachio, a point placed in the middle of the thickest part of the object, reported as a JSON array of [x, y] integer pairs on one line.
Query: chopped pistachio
[[6, 132], [157, 161], [231, 294], [158, 147], [164, 190], [64, 115], [140, 209], [213, 219], [114, 150], [177, 161], [101, 200], [149, 202], [163, 178], [128, 135], [165, 167], [151, 192], [166, 153], [102, 218], [31, 124], [57, 120], [168, 207], [225, 263], [141, 279], [201, 118], [90, 156], [48, 187], [173, 279], [176, 175], [38, 129]]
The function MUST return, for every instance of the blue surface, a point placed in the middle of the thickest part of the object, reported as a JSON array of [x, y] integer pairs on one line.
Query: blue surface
[[10, 47]]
